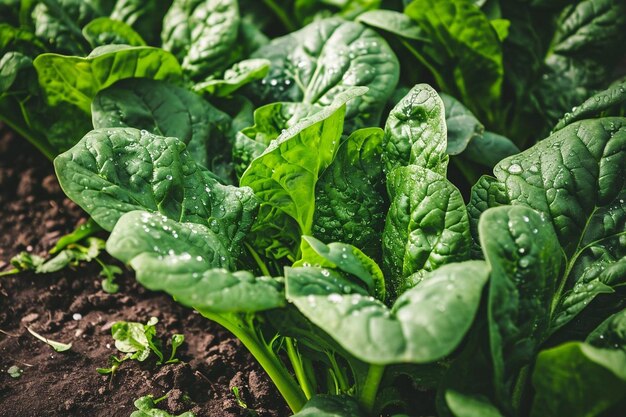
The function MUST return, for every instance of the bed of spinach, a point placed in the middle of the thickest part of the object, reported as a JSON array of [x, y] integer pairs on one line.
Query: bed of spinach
[[380, 199]]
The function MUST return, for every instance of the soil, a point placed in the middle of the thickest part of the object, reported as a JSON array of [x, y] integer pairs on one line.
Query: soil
[[70, 306]]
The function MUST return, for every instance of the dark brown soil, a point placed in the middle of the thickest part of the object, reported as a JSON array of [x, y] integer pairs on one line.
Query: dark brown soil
[[34, 214]]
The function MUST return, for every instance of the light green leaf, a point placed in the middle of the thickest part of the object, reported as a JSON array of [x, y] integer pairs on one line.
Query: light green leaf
[[75, 80], [240, 74], [330, 406], [393, 22], [463, 405], [578, 380], [425, 324], [57, 346], [106, 31]]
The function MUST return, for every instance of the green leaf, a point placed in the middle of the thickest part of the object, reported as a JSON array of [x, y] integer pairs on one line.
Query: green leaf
[[465, 50], [576, 379], [114, 171], [135, 338], [145, 17], [425, 324], [285, 174], [595, 105], [57, 346], [346, 258], [489, 149], [106, 31], [611, 333], [591, 27], [416, 133], [183, 259], [325, 58], [14, 371], [201, 33], [165, 110], [426, 226], [349, 199], [463, 405], [237, 76], [486, 193], [146, 407], [59, 22], [462, 125], [330, 406], [393, 22], [75, 80], [525, 259]]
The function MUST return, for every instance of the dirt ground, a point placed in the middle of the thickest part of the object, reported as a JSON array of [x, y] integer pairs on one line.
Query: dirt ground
[[70, 306]]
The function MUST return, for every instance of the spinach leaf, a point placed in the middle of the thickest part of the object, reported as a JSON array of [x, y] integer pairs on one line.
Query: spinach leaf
[[463, 405], [611, 333], [59, 22], [114, 171], [285, 174], [426, 323], [349, 197], [144, 17], [164, 110], [415, 132], [523, 253], [318, 62], [135, 338], [146, 407], [106, 31], [76, 80], [393, 22], [577, 379], [426, 226], [186, 260], [468, 61], [234, 78], [201, 33], [596, 104], [346, 258]]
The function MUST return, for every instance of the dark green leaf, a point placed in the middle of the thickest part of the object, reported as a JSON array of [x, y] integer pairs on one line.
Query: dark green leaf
[[106, 31], [330, 406]]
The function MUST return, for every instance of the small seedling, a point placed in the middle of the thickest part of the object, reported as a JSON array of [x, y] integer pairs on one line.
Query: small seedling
[[146, 407], [57, 346], [241, 403], [15, 371]]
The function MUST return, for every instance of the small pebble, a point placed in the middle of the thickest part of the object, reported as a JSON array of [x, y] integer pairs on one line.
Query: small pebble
[[77, 316]]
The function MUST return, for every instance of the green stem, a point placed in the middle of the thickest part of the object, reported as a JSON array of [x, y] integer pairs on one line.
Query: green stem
[[264, 270], [281, 15], [9, 272], [36, 142], [341, 378], [370, 387], [294, 357], [275, 369], [520, 388]]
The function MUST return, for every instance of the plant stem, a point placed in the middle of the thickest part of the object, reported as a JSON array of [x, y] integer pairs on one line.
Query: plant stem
[[275, 369], [281, 15], [520, 388], [370, 387], [294, 357], [339, 375], [264, 270], [36, 142]]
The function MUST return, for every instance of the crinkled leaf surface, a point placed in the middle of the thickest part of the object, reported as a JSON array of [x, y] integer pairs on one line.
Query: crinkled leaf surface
[[426, 226], [187, 261], [200, 33], [611, 333], [240, 74], [462, 125], [285, 174], [465, 49], [525, 259], [106, 31], [77, 80], [346, 258], [596, 104], [113, 171], [426, 323], [576, 379], [318, 62], [349, 198], [416, 132], [164, 110]]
